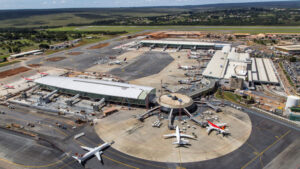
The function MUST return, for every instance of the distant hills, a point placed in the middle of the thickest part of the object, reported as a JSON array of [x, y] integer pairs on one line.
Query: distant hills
[[153, 15]]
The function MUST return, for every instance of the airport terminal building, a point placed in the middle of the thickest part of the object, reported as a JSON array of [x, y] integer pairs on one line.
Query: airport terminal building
[[228, 63], [182, 44], [97, 89]]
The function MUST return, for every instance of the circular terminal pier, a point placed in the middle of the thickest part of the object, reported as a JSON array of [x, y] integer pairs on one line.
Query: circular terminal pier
[[177, 102]]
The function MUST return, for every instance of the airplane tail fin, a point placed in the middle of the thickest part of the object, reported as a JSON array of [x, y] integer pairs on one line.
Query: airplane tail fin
[[77, 158]]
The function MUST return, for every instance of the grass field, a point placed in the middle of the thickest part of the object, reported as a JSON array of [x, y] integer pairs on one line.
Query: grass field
[[8, 63], [221, 29]]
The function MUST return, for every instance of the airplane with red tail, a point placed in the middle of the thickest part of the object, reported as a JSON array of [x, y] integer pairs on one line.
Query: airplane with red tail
[[7, 86], [220, 128], [43, 73], [27, 79]]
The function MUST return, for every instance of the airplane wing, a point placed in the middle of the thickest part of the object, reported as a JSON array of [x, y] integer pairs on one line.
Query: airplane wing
[[186, 136], [86, 148], [170, 135], [98, 156], [209, 130]]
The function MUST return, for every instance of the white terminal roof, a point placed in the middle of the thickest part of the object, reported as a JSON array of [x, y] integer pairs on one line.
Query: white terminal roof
[[225, 65], [184, 43], [26, 53], [216, 66], [93, 86]]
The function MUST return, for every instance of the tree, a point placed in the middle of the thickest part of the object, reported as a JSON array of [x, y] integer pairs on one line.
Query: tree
[[293, 59], [44, 46]]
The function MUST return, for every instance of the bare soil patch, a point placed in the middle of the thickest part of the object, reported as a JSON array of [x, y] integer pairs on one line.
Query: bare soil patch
[[35, 65], [13, 72], [99, 46], [56, 59], [75, 53]]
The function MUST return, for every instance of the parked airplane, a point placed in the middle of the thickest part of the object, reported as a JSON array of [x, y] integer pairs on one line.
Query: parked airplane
[[179, 139], [97, 151], [117, 62], [27, 79], [220, 128], [186, 67], [7, 86], [43, 74]]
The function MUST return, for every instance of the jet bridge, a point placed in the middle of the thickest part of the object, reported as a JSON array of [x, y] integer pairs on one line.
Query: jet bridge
[[202, 124], [46, 99], [148, 113], [171, 120], [73, 100]]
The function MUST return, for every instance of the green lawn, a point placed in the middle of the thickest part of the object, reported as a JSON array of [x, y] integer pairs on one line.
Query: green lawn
[[226, 29], [8, 63]]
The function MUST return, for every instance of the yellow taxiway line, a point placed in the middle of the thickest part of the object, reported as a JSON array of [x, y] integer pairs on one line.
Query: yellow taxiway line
[[266, 149]]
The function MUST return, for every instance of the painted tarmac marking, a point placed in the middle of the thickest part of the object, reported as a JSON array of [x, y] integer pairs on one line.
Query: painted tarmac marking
[[137, 161], [29, 166], [266, 149]]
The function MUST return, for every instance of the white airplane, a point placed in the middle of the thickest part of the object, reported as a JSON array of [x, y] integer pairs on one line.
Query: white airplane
[[220, 128], [179, 139], [7, 86], [117, 62], [97, 151], [186, 67], [27, 79]]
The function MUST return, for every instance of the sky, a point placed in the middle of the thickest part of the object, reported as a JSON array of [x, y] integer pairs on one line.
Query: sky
[[42, 4]]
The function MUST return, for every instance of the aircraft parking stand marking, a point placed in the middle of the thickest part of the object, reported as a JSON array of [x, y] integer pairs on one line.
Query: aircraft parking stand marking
[[266, 149]]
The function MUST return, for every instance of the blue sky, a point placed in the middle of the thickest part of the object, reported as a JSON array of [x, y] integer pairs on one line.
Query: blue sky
[[33, 4]]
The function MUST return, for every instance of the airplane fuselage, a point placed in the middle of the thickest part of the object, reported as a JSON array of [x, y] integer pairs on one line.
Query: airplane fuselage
[[93, 151]]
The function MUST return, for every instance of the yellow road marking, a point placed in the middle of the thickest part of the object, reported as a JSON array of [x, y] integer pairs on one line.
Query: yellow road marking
[[266, 149], [67, 164], [179, 157], [130, 166], [261, 163], [29, 166], [250, 145], [119, 162], [137, 161]]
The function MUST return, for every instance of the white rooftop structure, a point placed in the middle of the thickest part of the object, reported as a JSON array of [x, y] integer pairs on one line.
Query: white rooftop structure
[[224, 65], [25, 53], [192, 43], [93, 86]]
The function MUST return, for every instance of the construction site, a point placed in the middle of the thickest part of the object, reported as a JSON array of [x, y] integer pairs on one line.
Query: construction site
[[133, 91]]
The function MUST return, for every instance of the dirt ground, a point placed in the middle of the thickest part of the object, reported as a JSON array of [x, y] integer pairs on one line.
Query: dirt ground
[[35, 65], [101, 45], [13, 72], [140, 139], [55, 59], [75, 53]]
